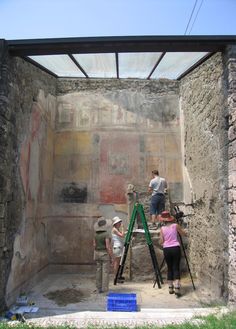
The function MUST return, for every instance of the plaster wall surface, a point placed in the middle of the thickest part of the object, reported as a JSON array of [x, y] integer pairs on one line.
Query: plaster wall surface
[[204, 107], [109, 133], [27, 94]]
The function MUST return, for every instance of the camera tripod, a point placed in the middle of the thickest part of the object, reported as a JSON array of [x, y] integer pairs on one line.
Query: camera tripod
[[138, 209]]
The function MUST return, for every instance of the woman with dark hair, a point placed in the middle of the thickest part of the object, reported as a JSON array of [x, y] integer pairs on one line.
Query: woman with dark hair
[[171, 249]]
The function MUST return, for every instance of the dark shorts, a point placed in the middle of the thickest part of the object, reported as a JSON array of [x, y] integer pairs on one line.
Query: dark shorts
[[157, 204]]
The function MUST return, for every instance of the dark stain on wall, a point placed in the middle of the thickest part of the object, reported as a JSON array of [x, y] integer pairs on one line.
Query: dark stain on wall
[[74, 193]]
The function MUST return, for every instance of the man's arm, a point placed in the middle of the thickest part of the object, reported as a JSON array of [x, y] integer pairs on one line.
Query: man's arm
[[119, 233], [108, 247]]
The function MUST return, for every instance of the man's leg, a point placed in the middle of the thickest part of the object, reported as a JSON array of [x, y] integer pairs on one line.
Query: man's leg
[[99, 275], [105, 275], [153, 210], [160, 205], [153, 219]]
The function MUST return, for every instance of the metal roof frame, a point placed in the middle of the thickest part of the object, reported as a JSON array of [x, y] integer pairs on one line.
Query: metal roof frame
[[119, 44]]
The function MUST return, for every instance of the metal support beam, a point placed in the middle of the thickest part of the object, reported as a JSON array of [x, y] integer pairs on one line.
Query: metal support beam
[[119, 44]]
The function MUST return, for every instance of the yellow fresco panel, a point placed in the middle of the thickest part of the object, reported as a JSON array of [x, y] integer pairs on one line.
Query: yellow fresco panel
[[67, 143], [155, 163], [154, 143], [49, 140], [174, 170], [172, 144], [82, 143]]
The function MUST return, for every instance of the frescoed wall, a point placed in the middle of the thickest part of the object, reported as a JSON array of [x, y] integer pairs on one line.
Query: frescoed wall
[[30, 249], [105, 140], [108, 134], [77, 154]]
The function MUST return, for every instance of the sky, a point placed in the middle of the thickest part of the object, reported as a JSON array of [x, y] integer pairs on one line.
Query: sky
[[38, 19]]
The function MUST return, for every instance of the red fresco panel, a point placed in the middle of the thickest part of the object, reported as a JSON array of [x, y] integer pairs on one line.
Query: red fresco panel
[[119, 165]]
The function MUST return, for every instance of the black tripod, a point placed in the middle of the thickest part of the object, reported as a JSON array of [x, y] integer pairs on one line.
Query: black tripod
[[179, 216], [138, 210]]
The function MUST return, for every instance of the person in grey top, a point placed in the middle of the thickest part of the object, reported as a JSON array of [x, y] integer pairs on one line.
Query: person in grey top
[[157, 187], [102, 253]]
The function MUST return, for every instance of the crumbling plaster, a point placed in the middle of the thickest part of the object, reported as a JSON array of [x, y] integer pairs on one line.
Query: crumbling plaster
[[26, 95]]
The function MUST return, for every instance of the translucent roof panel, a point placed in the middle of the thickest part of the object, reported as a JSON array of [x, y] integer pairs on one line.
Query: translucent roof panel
[[174, 64], [137, 65], [61, 65], [97, 65]]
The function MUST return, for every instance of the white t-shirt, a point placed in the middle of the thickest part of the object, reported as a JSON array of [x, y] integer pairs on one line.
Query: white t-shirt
[[158, 185]]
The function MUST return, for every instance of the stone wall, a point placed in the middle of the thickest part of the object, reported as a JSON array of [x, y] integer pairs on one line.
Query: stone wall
[[230, 61], [25, 93], [203, 95], [6, 189]]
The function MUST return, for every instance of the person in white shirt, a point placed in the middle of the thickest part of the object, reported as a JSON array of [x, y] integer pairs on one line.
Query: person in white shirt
[[117, 235], [157, 187]]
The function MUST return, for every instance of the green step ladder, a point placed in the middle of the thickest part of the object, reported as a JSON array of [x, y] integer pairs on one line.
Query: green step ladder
[[138, 209]]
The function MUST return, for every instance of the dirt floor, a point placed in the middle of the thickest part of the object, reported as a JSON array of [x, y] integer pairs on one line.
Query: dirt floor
[[59, 293], [71, 299]]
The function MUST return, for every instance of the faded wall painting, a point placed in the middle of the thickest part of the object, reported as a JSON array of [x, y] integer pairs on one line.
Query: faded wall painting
[[105, 140], [36, 174]]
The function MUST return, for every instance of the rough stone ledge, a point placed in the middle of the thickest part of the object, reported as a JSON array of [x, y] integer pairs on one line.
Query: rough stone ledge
[[129, 319]]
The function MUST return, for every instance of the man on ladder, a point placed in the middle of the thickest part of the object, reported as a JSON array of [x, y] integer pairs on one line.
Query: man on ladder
[[157, 187]]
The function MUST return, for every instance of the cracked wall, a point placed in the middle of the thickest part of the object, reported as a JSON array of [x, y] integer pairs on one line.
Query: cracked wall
[[203, 104]]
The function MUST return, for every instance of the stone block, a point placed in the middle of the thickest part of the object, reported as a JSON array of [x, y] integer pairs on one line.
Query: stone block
[[2, 210], [231, 100], [232, 86], [2, 225], [232, 165], [233, 220], [2, 240], [232, 208], [232, 117], [232, 149], [231, 195], [232, 179], [232, 133]]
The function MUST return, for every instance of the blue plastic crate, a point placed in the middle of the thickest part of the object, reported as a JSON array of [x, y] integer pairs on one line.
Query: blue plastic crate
[[121, 302]]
